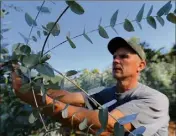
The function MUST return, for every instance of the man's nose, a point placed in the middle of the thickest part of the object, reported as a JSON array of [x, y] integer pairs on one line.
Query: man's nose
[[116, 60]]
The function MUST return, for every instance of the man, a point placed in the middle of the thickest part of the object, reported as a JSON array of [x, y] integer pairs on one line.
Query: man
[[127, 97]]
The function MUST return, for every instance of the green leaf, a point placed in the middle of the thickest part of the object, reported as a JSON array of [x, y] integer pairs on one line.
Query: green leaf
[[34, 38], [33, 117], [114, 30], [4, 51], [99, 131], [45, 33], [43, 9], [55, 31], [103, 117], [140, 14], [171, 18], [65, 111], [71, 72], [127, 119], [23, 69], [150, 11], [86, 36], [114, 19], [53, 86], [25, 88], [151, 21], [118, 130], [164, 9], [139, 25], [45, 69], [160, 20], [138, 131], [168, 9], [75, 7], [25, 49], [38, 33], [29, 20], [31, 60], [102, 32], [128, 26], [24, 37], [71, 43], [83, 124]]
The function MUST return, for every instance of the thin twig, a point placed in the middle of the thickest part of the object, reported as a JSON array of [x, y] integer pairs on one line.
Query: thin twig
[[35, 100], [87, 33], [35, 20], [52, 29]]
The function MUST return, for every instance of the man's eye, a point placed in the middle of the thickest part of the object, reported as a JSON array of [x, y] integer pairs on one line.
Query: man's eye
[[123, 56]]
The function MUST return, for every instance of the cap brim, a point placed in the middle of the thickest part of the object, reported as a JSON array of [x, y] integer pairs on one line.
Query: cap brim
[[116, 43]]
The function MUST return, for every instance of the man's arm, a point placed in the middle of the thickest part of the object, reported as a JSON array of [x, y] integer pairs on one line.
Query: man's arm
[[74, 98], [81, 113]]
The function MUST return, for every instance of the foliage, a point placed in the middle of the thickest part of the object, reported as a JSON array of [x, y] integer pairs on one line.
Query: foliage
[[38, 76]]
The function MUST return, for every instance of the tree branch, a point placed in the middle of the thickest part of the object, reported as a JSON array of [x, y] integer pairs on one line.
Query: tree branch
[[52, 29]]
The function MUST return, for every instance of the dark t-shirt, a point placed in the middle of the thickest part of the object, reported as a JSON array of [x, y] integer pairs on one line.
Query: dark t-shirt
[[150, 105]]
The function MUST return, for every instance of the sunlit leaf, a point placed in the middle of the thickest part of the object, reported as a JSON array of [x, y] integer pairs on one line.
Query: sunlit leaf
[[33, 117], [103, 117], [31, 60], [71, 72], [171, 18], [127, 119], [140, 14], [56, 30], [138, 131], [164, 9], [160, 20], [151, 21], [25, 88], [83, 124], [114, 19], [140, 26], [128, 26], [29, 20], [45, 69], [65, 111], [102, 32], [38, 33], [43, 9], [71, 43], [86, 36], [118, 130], [23, 69], [75, 7]]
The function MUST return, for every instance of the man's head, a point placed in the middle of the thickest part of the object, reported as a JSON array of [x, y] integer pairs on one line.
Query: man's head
[[128, 58]]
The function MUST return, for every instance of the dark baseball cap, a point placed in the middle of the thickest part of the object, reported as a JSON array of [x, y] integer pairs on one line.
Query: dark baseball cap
[[118, 42]]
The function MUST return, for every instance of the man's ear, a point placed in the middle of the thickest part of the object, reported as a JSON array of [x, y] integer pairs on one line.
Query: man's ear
[[142, 65]]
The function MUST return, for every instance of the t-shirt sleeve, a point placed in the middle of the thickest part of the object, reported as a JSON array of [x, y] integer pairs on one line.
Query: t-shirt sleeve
[[151, 113], [101, 96]]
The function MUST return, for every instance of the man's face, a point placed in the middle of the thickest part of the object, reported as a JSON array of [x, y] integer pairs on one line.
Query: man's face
[[126, 63]]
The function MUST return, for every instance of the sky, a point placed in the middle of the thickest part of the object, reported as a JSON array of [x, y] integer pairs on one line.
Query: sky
[[86, 55]]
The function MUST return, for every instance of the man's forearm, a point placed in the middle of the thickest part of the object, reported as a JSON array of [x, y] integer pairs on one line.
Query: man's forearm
[[74, 98]]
